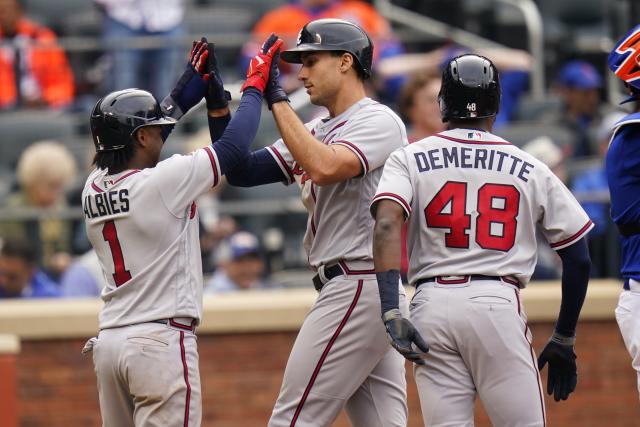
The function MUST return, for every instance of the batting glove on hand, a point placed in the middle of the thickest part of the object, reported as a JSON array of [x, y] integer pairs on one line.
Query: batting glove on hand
[[273, 92], [216, 96], [260, 65], [562, 377], [402, 334], [192, 85]]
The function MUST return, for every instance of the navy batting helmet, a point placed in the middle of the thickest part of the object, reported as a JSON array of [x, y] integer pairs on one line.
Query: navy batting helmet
[[117, 116], [470, 88], [333, 35]]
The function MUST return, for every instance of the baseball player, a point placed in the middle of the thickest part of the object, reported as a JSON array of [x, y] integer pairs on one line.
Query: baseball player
[[142, 221], [622, 164], [473, 202], [341, 357]]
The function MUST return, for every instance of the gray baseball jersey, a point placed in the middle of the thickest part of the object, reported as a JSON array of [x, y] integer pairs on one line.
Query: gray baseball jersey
[[341, 357], [339, 225], [474, 202], [143, 225]]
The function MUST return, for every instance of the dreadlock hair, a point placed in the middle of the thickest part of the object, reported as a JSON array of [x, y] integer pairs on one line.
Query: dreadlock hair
[[116, 161]]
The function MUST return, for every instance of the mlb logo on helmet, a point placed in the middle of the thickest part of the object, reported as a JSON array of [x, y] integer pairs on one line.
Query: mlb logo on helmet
[[624, 60]]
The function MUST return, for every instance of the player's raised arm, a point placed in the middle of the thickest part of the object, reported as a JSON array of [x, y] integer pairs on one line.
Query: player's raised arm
[[192, 84], [218, 114], [233, 146], [324, 163]]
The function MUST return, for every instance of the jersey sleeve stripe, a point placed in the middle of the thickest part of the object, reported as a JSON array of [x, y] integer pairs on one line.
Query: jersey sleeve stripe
[[396, 198], [339, 125], [567, 242], [126, 175], [356, 150], [96, 188], [214, 164], [281, 162]]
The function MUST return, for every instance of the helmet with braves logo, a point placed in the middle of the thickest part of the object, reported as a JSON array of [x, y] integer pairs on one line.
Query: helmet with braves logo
[[470, 88], [117, 116], [624, 61], [333, 35]]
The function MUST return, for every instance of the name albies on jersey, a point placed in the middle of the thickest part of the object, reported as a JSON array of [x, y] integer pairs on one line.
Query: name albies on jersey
[[143, 225], [473, 203]]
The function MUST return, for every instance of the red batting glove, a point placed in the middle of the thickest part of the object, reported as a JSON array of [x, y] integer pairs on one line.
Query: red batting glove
[[258, 71], [199, 55]]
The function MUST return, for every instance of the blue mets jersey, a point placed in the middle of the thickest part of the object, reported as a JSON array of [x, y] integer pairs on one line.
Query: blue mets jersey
[[623, 174]]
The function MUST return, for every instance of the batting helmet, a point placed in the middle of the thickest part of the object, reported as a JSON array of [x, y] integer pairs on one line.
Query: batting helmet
[[624, 61], [333, 35], [117, 116], [470, 88]]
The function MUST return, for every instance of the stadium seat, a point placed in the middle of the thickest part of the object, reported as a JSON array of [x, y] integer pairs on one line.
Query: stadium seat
[[220, 19], [530, 109], [521, 133], [21, 128], [53, 13]]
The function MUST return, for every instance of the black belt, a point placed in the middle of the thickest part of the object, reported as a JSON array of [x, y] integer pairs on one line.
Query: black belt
[[628, 230], [329, 272], [467, 278]]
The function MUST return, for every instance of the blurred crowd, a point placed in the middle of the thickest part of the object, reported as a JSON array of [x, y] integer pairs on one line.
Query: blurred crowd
[[44, 251]]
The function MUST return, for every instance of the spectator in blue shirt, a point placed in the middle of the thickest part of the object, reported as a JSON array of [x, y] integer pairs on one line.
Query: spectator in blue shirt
[[84, 278], [579, 84], [20, 276], [240, 265]]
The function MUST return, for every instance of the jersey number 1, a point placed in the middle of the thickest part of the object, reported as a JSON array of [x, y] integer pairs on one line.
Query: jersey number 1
[[110, 235], [501, 215]]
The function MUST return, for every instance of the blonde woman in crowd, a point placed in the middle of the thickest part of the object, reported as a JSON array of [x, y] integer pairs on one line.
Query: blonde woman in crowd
[[45, 169]]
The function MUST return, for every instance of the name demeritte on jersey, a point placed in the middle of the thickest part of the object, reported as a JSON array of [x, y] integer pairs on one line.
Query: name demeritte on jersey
[[473, 158], [107, 203]]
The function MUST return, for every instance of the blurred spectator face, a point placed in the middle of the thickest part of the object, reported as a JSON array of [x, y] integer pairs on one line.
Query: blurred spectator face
[[10, 12], [425, 113], [240, 259], [44, 170], [15, 274], [245, 270], [605, 131], [46, 193], [583, 102], [580, 85]]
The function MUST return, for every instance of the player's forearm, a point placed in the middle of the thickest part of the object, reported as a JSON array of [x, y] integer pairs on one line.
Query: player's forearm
[[387, 243], [387, 235], [258, 168], [576, 266], [233, 146], [316, 158], [218, 121], [386, 254]]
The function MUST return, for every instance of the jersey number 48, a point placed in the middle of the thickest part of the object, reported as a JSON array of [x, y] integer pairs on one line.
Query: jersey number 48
[[498, 206]]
